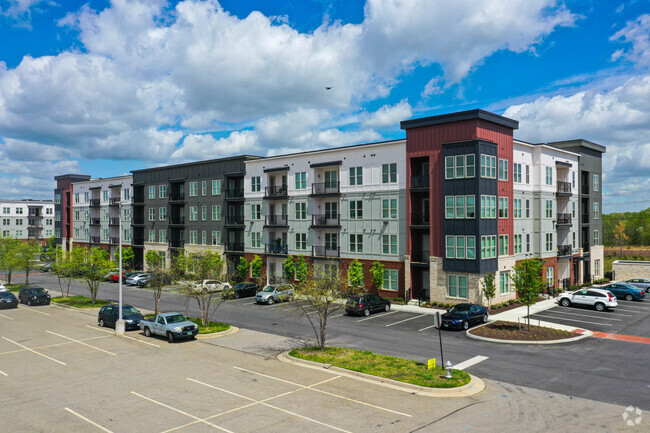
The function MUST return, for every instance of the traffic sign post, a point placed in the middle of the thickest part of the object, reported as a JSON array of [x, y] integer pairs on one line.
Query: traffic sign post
[[439, 325]]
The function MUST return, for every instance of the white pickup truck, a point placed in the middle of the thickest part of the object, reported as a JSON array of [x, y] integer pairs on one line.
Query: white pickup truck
[[174, 326]]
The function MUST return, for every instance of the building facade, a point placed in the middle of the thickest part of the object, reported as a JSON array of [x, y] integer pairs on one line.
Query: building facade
[[27, 220], [63, 208]]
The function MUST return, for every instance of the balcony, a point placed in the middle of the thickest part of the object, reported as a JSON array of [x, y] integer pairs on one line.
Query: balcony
[[176, 198], [276, 221], [564, 219], [35, 225], [236, 247], [276, 249], [235, 220], [137, 221], [585, 247], [114, 241], [420, 256], [419, 182], [114, 222], [235, 193], [563, 188], [138, 241], [177, 221], [276, 192], [325, 251], [420, 219], [585, 190], [94, 239], [326, 221], [114, 201], [585, 218], [94, 202], [564, 250], [94, 221], [325, 188], [179, 243]]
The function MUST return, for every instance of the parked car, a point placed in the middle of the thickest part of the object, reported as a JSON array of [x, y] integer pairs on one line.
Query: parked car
[[32, 295], [464, 315], [274, 293], [212, 285], [133, 279], [241, 290], [3, 288], [144, 279], [642, 283], [366, 303], [115, 277], [8, 300], [108, 315], [626, 291], [600, 299], [174, 326], [47, 267]]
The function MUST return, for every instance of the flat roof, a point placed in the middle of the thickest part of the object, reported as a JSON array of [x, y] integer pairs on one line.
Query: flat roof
[[187, 164], [579, 142], [459, 117]]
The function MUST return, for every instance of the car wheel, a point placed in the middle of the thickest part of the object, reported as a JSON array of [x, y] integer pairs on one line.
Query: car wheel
[[29, 302], [101, 323], [270, 301], [600, 306], [170, 337], [387, 307], [366, 312], [565, 302], [485, 318], [629, 297], [147, 332], [236, 296], [465, 325]]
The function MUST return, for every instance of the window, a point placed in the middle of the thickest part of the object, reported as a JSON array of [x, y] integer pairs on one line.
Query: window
[[152, 214], [549, 208], [19, 211], [204, 213], [488, 166], [470, 242], [527, 174], [596, 182], [204, 237], [152, 192], [356, 243], [301, 241], [504, 249], [126, 194], [574, 239], [19, 234], [459, 162], [194, 237], [57, 216], [516, 173], [6, 221], [256, 240], [470, 211], [194, 189], [389, 173], [549, 242], [6, 210], [162, 236], [389, 208], [255, 184], [488, 206], [488, 247], [596, 211], [76, 197], [216, 187], [390, 279], [162, 191], [331, 241], [457, 286], [162, 213], [104, 196], [301, 211], [449, 206], [49, 211], [301, 180], [597, 267], [194, 214], [527, 243], [503, 169], [469, 165], [449, 167], [216, 237], [549, 176], [460, 206], [550, 276], [19, 221], [57, 200], [216, 212], [573, 179], [152, 236], [460, 247], [573, 209], [356, 209], [503, 207], [504, 283], [517, 244], [331, 179], [256, 211], [204, 188], [389, 244], [356, 176], [596, 238], [459, 166], [516, 208]]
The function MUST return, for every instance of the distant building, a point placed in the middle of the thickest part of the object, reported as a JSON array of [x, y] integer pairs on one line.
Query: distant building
[[27, 220]]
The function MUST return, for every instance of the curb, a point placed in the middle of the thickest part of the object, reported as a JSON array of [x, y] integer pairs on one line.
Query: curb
[[475, 387], [583, 335], [232, 330]]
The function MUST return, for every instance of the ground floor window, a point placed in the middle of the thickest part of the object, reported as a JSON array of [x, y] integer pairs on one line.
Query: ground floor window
[[504, 282], [163, 259], [550, 277], [457, 286], [597, 267], [390, 279], [193, 237]]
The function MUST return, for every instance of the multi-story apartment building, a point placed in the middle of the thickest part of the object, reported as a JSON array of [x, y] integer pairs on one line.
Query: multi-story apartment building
[[27, 220], [99, 207], [331, 206], [189, 207], [63, 207]]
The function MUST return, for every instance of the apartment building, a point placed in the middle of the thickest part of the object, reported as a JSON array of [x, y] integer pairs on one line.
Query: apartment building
[[332, 206], [63, 208], [99, 208], [189, 207], [27, 220]]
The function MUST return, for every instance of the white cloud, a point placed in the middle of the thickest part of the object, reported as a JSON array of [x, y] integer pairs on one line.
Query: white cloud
[[205, 146], [636, 33], [388, 115], [20, 11]]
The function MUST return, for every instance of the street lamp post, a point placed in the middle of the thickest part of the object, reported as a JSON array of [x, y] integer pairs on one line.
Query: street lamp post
[[119, 324]]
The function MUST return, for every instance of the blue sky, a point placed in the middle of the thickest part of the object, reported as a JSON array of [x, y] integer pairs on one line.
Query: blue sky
[[102, 88]]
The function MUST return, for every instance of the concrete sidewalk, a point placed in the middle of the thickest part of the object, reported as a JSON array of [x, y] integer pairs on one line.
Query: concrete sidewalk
[[519, 314]]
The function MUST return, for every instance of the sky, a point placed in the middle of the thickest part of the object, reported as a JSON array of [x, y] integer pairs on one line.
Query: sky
[[105, 87]]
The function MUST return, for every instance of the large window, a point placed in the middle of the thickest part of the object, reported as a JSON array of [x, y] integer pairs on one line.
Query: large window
[[216, 212], [596, 211], [194, 237], [596, 182], [301, 180], [389, 208], [301, 241], [162, 236], [488, 206], [488, 166], [152, 192], [356, 209], [194, 213], [216, 237], [517, 244], [549, 208], [459, 206], [301, 211], [504, 282], [152, 236], [356, 176], [389, 173], [194, 189], [488, 247], [356, 243], [256, 211], [216, 187], [549, 242], [516, 208], [457, 286], [504, 249], [390, 279], [459, 166], [516, 172], [460, 247], [549, 176], [256, 239], [162, 213], [255, 184], [162, 191], [503, 169], [389, 244], [503, 207]]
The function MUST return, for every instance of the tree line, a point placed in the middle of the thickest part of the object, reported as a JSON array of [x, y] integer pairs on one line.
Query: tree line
[[626, 229]]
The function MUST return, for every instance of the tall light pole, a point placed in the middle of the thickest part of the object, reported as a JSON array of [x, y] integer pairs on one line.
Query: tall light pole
[[119, 324]]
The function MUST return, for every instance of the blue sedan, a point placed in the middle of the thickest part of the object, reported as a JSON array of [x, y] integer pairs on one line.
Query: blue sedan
[[625, 291], [462, 316]]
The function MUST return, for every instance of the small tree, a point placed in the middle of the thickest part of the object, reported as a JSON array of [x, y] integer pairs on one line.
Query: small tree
[[619, 235], [489, 287], [95, 269], [10, 256], [205, 265], [355, 273], [256, 267], [160, 276], [29, 253], [127, 257], [63, 269], [302, 270], [377, 272], [289, 269], [243, 268], [529, 282], [323, 294]]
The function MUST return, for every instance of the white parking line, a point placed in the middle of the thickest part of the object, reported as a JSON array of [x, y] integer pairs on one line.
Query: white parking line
[[33, 351], [631, 307], [275, 304], [378, 315], [3, 373], [181, 412], [338, 315], [87, 420], [124, 336], [472, 361], [50, 345], [406, 320], [33, 311], [81, 342], [428, 327], [6, 317], [573, 320], [584, 315]]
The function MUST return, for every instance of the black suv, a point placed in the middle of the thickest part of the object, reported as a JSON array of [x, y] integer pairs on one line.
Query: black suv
[[366, 304], [242, 290], [108, 316], [33, 295], [8, 300]]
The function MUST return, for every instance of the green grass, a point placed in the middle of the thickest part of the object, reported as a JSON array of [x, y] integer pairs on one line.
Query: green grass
[[14, 287], [80, 301], [212, 327], [610, 260], [389, 367]]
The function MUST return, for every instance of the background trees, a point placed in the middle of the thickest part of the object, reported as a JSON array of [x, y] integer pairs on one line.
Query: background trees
[[636, 228], [9, 258], [93, 265], [161, 276], [127, 257], [28, 254], [201, 266]]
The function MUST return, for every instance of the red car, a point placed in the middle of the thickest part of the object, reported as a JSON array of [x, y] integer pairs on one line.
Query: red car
[[114, 278]]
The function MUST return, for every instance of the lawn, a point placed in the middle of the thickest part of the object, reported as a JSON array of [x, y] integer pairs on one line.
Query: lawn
[[80, 301], [388, 367]]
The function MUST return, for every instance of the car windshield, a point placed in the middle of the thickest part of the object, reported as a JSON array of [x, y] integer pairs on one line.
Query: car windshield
[[463, 309], [129, 310], [38, 291], [269, 289], [176, 318], [239, 286]]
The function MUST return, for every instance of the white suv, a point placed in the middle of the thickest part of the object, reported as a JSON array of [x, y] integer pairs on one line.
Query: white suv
[[598, 298]]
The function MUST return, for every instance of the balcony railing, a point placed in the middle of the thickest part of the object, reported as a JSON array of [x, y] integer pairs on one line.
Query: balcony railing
[[138, 241], [176, 243], [325, 251], [276, 220], [235, 219], [420, 219], [564, 219], [563, 187], [274, 248], [585, 247], [235, 246], [420, 256], [177, 220], [137, 220], [94, 239], [35, 226], [235, 193], [94, 202], [585, 218], [114, 222], [114, 241], [94, 221], [275, 191], [325, 188], [585, 189], [177, 197], [326, 220], [419, 181], [114, 201], [564, 250]]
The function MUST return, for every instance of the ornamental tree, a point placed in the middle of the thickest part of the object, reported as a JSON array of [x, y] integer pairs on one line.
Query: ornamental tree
[[355, 273], [289, 269], [529, 282], [377, 272]]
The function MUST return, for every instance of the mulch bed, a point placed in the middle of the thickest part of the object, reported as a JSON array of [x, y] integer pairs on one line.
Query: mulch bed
[[503, 330], [510, 307]]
